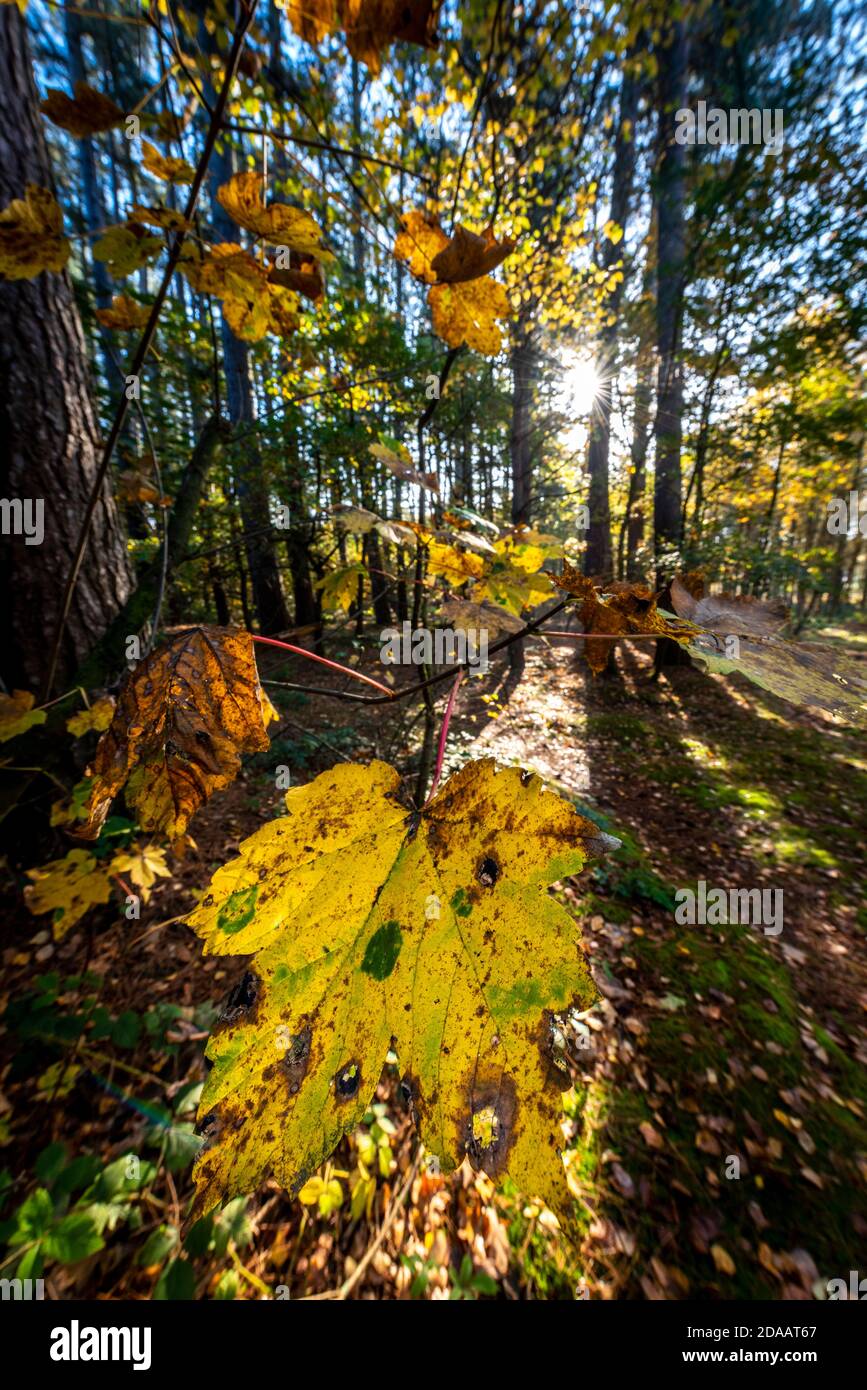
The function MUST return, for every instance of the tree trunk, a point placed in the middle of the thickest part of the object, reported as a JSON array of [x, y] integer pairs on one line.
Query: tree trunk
[[138, 612], [519, 442], [51, 446], [250, 481], [667, 517], [597, 556]]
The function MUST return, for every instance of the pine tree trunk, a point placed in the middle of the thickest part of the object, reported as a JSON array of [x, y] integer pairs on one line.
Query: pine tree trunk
[[51, 446], [597, 556], [668, 429]]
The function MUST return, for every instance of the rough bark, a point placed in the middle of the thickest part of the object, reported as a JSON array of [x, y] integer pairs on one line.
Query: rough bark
[[50, 444]]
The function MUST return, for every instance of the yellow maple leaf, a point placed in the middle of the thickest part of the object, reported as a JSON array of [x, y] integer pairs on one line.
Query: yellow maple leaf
[[455, 565], [340, 587], [69, 888], [98, 717], [276, 223], [125, 248], [166, 167], [466, 314], [142, 865], [183, 718], [17, 714], [31, 235], [431, 933], [421, 239], [252, 305]]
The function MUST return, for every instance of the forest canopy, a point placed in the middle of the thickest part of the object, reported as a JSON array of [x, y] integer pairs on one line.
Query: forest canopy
[[434, 456]]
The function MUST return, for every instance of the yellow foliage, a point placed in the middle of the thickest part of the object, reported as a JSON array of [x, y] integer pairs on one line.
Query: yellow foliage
[[98, 717], [31, 235], [166, 167], [124, 314], [276, 223], [466, 314], [68, 888], [433, 934], [125, 248], [17, 714]]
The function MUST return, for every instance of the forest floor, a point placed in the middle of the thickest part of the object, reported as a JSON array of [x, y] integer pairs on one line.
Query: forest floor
[[717, 1130]]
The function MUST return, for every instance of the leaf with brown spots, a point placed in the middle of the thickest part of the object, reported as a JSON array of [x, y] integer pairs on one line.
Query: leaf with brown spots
[[371, 928], [183, 718]]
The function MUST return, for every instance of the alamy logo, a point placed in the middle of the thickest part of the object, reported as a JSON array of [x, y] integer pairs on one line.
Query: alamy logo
[[76, 1343], [718, 908], [853, 1292], [444, 646], [740, 126], [24, 1289], [847, 518], [23, 516]]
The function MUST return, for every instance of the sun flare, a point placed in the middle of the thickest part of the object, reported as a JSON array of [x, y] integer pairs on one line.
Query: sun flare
[[580, 386]]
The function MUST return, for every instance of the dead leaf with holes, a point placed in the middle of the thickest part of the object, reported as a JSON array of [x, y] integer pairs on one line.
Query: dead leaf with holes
[[432, 933], [277, 223], [88, 112], [740, 634], [31, 235], [183, 718], [622, 608]]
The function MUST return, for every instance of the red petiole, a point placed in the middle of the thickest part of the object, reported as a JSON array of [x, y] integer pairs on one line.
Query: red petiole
[[323, 661]]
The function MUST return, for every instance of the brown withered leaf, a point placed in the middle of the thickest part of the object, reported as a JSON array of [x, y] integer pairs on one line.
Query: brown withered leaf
[[468, 255], [87, 113], [304, 275], [371, 26], [437, 259], [623, 608], [183, 717]]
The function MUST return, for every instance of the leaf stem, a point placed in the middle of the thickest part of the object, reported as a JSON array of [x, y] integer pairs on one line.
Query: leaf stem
[[323, 660], [444, 733]]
